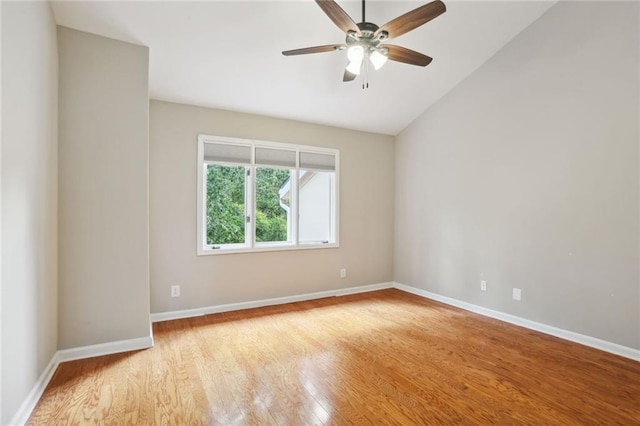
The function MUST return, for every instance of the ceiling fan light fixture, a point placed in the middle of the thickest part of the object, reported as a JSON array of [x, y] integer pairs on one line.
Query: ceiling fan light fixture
[[355, 53], [354, 67], [377, 59]]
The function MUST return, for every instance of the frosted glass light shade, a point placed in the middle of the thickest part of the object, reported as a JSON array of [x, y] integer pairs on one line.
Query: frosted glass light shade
[[354, 67], [355, 53], [377, 59]]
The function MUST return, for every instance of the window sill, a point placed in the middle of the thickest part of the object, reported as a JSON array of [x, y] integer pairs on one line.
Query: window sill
[[265, 248]]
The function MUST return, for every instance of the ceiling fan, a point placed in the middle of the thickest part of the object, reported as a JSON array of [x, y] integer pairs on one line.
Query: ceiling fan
[[365, 40]]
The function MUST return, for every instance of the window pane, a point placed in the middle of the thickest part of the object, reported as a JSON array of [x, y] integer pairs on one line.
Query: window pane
[[225, 208], [316, 204], [272, 205]]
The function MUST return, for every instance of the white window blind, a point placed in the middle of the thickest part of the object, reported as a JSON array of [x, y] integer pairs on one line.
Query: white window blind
[[317, 161], [227, 153], [275, 157]]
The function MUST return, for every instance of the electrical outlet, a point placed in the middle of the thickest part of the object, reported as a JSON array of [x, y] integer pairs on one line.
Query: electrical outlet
[[483, 285], [517, 294], [343, 273], [175, 291]]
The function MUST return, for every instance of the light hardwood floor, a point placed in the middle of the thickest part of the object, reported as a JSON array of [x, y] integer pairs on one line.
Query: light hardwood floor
[[385, 357]]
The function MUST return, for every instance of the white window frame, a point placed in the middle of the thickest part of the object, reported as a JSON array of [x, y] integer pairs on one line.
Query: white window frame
[[250, 245]]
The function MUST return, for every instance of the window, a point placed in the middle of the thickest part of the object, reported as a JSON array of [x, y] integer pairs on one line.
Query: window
[[256, 196]]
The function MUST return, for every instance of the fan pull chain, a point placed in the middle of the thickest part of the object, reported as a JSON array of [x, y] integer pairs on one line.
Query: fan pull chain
[[365, 80]]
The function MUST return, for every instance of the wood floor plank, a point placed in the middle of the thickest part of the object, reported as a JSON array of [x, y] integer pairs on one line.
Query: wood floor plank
[[384, 357]]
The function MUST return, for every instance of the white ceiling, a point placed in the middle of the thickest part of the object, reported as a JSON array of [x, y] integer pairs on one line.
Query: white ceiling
[[228, 54]]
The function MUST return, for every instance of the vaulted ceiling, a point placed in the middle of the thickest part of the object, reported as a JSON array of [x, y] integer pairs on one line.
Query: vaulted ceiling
[[228, 54]]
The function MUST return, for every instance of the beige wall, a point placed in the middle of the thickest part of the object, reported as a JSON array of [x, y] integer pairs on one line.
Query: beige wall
[[526, 175], [366, 216], [103, 216], [29, 198]]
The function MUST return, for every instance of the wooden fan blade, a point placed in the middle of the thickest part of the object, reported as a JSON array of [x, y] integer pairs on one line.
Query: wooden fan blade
[[412, 20], [338, 16], [315, 49], [348, 76], [408, 56]]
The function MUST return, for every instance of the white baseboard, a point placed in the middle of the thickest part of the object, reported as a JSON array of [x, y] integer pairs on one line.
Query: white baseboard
[[26, 408], [188, 313], [24, 412], [105, 348], [363, 289], [593, 342]]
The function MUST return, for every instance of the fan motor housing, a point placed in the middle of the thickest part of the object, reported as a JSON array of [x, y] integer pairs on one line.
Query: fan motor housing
[[367, 29], [367, 37]]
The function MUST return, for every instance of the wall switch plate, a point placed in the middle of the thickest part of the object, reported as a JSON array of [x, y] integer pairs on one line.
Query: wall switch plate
[[517, 294], [343, 273], [175, 291], [483, 285]]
